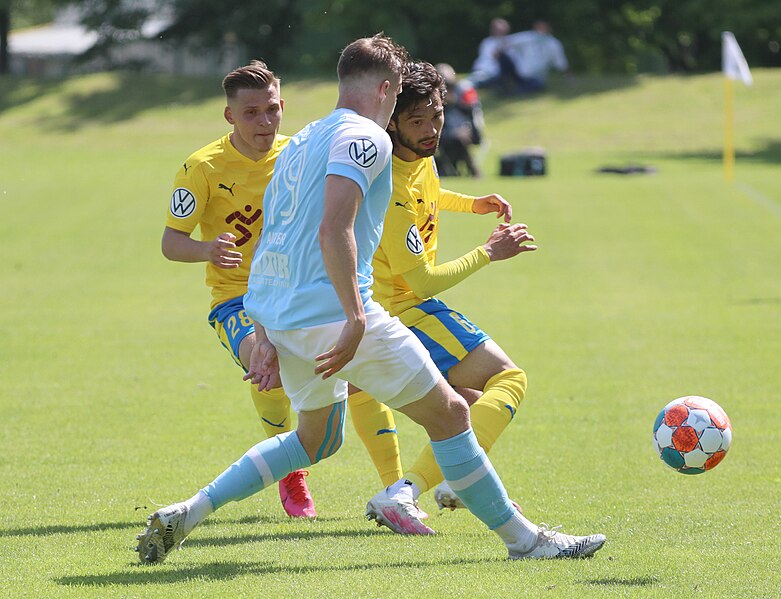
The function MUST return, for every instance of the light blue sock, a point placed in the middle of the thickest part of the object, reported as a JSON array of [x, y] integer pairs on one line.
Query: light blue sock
[[269, 461], [470, 474]]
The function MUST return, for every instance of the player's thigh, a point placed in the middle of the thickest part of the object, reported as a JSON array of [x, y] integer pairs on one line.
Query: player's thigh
[[442, 412], [391, 363], [296, 351], [448, 335], [245, 349], [479, 365], [235, 329]]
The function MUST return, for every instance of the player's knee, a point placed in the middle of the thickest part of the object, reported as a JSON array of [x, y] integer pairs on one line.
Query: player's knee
[[512, 382], [453, 413]]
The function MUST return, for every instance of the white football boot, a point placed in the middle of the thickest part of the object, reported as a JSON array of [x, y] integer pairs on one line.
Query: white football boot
[[446, 498], [164, 533], [552, 544], [398, 512]]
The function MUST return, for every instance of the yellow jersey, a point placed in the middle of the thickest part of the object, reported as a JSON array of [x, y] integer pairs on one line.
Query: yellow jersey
[[222, 190], [409, 236]]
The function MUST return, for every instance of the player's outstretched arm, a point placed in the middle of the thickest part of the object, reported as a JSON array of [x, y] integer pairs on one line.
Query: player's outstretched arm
[[180, 247], [340, 256], [507, 241], [263, 365], [493, 203]]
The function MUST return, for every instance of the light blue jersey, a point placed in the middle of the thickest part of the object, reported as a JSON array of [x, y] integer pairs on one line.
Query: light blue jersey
[[289, 287]]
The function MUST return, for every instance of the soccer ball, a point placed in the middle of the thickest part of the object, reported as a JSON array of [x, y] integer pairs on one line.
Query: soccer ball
[[692, 434]]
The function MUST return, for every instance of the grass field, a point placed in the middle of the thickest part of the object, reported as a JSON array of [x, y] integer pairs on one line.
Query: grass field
[[115, 396]]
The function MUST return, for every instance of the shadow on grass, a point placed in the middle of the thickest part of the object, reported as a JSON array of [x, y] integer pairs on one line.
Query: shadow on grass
[[757, 301], [138, 525], [638, 581], [117, 96], [768, 152], [561, 88], [225, 570], [17, 91], [293, 535], [57, 529], [109, 98]]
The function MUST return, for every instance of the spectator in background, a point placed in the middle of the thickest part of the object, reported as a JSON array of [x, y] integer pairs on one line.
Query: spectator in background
[[463, 126], [533, 54], [485, 70], [521, 61]]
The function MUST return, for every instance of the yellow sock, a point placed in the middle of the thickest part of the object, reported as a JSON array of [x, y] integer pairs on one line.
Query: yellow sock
[[490, 415], [375, 426], [274, 410]]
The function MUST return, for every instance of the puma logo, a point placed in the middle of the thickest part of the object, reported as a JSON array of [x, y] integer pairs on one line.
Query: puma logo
[[226, 188]]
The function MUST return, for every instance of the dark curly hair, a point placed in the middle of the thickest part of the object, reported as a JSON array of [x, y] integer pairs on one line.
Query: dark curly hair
[[420, 81]]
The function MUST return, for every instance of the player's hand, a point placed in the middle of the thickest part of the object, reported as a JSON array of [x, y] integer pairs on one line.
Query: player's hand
[[493, 203], [337, 357], [507, 241], [221, 252], [263, 366]]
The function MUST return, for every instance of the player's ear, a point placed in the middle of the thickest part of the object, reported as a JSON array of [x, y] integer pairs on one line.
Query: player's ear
[[384, 87], [282, 104], [229, 115], [391, 125]]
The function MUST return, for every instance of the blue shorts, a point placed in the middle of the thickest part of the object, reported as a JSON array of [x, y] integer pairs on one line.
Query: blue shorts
[[448, 335], [232, 324]]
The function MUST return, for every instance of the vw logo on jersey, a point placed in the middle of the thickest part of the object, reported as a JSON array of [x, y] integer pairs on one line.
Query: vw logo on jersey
[[182, 202], [414, 242], [363, 152]]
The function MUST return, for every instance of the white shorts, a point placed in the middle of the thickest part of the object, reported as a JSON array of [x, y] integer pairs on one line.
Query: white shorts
[[391, 364]]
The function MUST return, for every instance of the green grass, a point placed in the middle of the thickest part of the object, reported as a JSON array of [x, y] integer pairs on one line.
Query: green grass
[[115, 395]]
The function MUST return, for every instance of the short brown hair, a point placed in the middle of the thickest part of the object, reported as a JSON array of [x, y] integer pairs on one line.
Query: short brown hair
[[256, 75], [378, 53]]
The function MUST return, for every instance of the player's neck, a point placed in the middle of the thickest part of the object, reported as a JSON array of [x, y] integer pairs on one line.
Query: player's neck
[[404, 153], [365, 107], [245, 149]]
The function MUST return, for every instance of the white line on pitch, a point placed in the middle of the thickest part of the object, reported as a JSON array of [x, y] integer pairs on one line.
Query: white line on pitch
[[760, 198]]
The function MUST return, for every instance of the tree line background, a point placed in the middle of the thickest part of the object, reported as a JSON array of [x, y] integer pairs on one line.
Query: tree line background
[[305, 36]]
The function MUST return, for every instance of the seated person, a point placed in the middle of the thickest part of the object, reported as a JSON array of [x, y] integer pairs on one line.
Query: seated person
[[527, 58], [486, 71]]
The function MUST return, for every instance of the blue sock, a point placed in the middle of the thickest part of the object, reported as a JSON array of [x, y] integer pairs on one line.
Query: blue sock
[[470, 474], [269, 461]]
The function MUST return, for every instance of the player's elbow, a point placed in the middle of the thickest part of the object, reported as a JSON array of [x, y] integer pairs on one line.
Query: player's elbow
[[421, 290], [166, 247], [420, 280], [328, 234]]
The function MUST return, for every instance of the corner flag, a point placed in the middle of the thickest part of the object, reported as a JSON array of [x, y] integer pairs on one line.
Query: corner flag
[[734, 66], [732, 61]]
